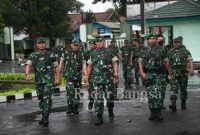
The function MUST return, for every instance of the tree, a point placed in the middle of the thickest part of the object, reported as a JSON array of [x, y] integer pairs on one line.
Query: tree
[[89, 17], [110, 10], [76, 7], [46, 18], [1, 26], [120, 5]]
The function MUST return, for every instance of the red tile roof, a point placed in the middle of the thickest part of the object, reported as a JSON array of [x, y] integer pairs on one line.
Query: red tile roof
[[76, 19]]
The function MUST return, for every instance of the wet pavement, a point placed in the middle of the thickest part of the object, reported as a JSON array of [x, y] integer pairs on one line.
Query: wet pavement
[[131, 116]]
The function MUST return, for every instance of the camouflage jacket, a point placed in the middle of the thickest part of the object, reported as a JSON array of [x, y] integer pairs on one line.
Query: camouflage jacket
[[101, 61], [73, 61], [126, 54], [153, 58], [43, 65], [178, 59], [114, 49], [136, 50]]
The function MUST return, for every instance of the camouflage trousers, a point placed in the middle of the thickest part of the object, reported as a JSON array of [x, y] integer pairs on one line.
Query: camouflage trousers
[[91, 92], [73, 91], [137, 74], [155, 89], [127, 73], [179, 82], [102, 91], [44, 93]]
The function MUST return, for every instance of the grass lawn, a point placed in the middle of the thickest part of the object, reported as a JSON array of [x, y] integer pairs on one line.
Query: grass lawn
[[11, 89]]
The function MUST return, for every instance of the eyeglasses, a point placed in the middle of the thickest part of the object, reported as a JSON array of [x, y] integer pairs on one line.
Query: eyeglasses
[[177, 42]]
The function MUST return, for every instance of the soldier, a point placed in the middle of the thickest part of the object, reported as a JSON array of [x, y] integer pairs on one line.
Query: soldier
[[151, 69], [179, 58], [92, 45], [136, 47], [126, 55], [113, 47], [44, 64], [72, 63], [161, 42], [105, 74]]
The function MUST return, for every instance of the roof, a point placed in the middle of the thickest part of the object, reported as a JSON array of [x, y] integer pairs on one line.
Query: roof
[[76, 18], [112, 25], [179, 9]]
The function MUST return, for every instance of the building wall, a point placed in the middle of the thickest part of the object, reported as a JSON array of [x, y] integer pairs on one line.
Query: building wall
[[189, 30]]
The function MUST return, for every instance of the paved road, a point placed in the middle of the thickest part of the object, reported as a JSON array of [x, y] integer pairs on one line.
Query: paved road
[[131, 117]]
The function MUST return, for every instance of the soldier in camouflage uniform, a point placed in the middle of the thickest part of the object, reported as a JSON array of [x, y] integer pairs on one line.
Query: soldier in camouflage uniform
[[136, 47], [92, 45], [113, 47], [44, 64], [151, 68], [126, 55], [105, 74], [161, 42], [72, 63], [58, 50], [179, 57]]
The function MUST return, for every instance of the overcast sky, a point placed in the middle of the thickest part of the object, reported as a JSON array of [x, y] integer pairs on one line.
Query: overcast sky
[[99, 7]]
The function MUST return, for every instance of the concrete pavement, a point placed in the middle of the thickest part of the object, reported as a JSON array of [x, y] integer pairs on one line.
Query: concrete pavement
[[131, 117]]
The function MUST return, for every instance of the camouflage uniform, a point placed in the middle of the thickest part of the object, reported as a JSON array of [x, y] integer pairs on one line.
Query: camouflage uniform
[[114, 49], [153, 58], [58, 50], [43, 65], [72, 72], [136, 54], [126, 54], [178, 58], [103, 76], [91, 88]]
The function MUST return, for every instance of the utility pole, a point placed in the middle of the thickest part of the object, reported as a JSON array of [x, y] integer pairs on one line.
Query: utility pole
[[142, 20]]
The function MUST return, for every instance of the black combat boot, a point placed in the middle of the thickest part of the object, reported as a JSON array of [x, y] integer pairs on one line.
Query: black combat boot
[[42, 119], [99, 119], [159, 116], [173, 105], [111, 114], [90, 105], [76, 109], [153, 114], [46, 120], [69, 109], [183, 104]]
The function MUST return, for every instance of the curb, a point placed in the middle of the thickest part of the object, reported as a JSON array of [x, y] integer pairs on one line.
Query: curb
[[19, 96]]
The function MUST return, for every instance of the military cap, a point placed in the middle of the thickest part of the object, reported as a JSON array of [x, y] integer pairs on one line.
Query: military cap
[[41, 39], [151, 34], [181, 38], [75, 42], [92, 41], [177, 39], [135, 39], [99, 38]]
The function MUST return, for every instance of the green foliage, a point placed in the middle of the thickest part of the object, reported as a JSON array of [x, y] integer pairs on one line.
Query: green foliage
[[46, 18], [13, 92], [14, 76]]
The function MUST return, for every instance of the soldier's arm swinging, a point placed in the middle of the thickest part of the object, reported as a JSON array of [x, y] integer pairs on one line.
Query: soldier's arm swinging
[[89, 69], [60, 66], [143, 75], [168, 68], [115, 68], [191, 70], [28, 69]]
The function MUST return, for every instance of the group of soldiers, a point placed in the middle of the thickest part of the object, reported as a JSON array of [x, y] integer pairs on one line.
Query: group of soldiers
[[157, 65]]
